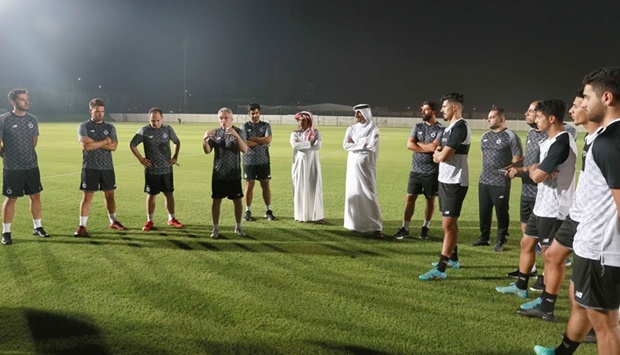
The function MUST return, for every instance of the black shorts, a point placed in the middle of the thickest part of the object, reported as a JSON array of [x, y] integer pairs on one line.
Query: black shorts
[[596, 286], [98, 180], [154, 184], [542, 228], [566, 233], [226, 188], [420, 183], [17, 182], [451, 197], [526, 209], [257, 172]]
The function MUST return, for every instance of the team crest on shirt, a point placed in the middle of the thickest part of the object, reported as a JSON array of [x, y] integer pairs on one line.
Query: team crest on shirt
[[498, 141], [433, 135], [30, 125], [165, 135], [105, 132]]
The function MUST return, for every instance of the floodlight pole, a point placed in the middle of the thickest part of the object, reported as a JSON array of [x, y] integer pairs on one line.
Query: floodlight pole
[[185, 46]]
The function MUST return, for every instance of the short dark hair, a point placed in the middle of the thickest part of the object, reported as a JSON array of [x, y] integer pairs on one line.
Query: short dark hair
[[156, 109], [579, 93], [431, 104], [95, 102], [15, 93], [604, 79], [253, 106], [453, 97], [553, 107], [500, 111]]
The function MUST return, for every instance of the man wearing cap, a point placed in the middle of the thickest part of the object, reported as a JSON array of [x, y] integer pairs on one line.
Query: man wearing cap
[[361, 207]]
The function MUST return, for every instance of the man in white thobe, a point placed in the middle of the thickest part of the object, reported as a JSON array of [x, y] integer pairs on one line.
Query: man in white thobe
[[306, 170], [361, 207]]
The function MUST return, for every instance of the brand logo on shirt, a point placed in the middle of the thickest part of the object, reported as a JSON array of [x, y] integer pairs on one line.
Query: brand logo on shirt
[[150, 137], [14, 126], [578, 294], [92, 131]]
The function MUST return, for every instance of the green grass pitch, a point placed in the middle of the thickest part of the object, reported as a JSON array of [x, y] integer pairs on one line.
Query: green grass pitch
[[286, 288]]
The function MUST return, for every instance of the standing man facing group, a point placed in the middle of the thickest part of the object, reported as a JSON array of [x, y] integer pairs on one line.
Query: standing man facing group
[[500, 148], [228, 142], [98, 140], [256, 163], [423, 140], [157, 162], [19, 134]]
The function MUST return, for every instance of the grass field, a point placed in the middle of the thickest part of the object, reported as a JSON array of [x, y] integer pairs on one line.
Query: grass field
[[285, 288]]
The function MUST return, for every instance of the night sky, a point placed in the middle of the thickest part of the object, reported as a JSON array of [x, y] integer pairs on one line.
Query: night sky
[[385, 53]]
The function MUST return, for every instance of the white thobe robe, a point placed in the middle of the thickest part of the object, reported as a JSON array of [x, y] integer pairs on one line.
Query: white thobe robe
[[306, 173], [361, 207]]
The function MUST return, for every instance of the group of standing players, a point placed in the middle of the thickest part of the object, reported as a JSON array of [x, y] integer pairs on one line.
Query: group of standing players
[[554, 214]]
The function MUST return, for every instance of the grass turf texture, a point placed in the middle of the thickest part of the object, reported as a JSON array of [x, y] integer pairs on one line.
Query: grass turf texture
[[285, 288]]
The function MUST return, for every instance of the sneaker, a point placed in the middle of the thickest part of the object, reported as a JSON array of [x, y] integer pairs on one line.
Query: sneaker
[[118, 226], [215, 233], [451, 263], [541, 350], [402, 233], [6, 239], [538, 249], [40, 232], [536, 313], [512, 289], [480, 242], [239, 231], [433, 275], [269, 215], [147, 226], [424, 232], [568, 262], [248, 216], [515, 274], [175, 223], [532, 304], [81, 232], [499, 246], [539, 286]]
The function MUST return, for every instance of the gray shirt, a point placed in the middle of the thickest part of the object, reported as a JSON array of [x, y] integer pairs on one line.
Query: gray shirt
[[498, 148], [258, 154], [156, 147], [226, 163], [98, 159], [424, 133], [17, 135]]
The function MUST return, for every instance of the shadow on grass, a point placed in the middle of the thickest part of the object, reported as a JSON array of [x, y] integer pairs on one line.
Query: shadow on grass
[[349, 349], [50, 333]]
